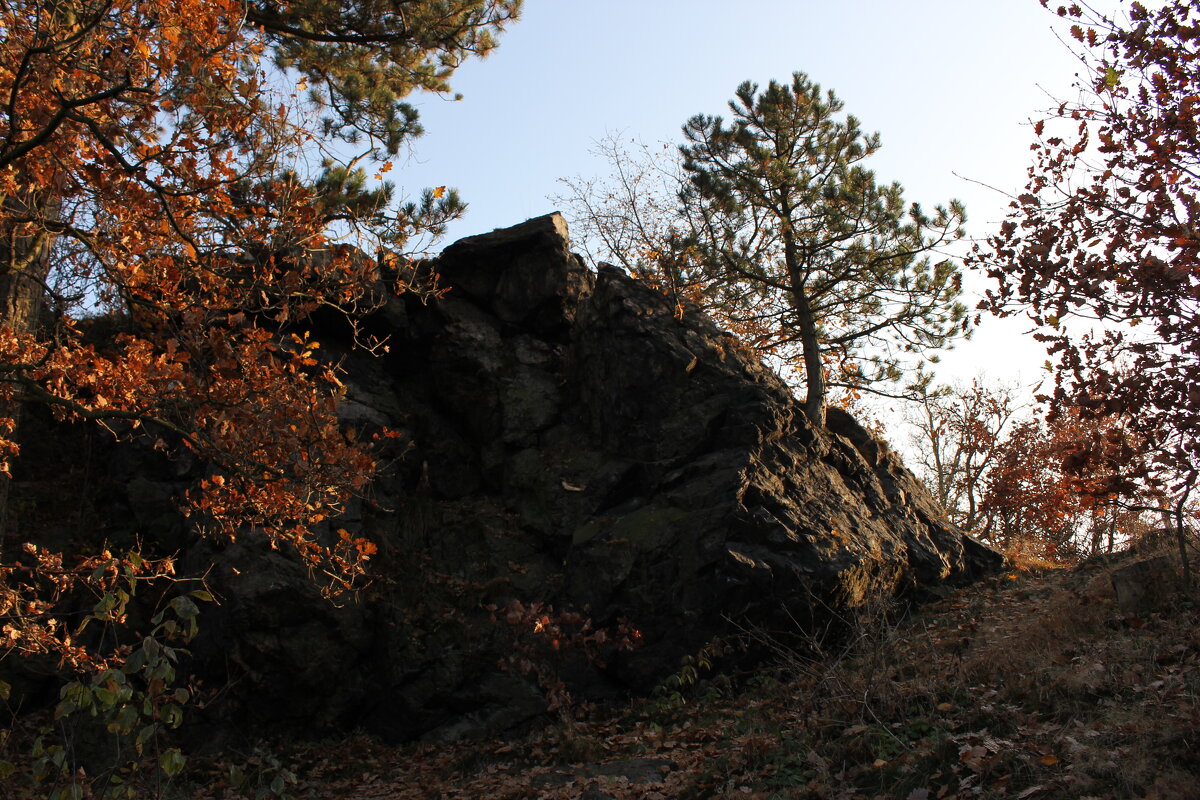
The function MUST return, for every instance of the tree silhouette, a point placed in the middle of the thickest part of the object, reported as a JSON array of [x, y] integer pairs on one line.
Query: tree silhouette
[[1108, 231]]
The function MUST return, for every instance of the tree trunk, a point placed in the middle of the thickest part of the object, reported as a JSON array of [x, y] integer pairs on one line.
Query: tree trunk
[[1181, 531], [814, 370], [24, 266], [24, 259]]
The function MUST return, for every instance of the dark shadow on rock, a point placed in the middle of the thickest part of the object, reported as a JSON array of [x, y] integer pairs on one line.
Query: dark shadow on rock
[[567, 439]]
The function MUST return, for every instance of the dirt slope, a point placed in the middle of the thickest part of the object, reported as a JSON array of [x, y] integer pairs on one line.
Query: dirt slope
[[1032, 684]]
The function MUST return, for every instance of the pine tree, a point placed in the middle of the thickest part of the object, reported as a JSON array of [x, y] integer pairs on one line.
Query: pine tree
[[782, 210], [362, 58]]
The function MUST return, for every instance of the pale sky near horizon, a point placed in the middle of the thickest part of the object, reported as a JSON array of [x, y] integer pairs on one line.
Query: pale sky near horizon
[[949, 84]]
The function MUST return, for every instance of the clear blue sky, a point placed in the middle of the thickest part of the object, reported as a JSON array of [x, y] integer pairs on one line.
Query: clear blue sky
[[950, 85]]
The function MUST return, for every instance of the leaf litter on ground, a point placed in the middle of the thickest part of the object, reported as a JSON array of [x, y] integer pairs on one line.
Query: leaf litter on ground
[[1027, 684]]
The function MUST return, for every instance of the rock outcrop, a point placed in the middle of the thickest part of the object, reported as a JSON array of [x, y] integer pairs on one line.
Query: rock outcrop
[[568, 440]]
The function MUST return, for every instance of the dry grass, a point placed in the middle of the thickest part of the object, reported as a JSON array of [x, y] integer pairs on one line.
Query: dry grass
[[1031, 684]]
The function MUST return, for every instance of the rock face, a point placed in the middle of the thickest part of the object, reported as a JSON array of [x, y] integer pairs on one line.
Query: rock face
[[568, 441]]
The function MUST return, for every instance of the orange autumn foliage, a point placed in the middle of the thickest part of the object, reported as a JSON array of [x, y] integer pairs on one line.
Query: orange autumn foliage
[[150, 172], [1061, 488]]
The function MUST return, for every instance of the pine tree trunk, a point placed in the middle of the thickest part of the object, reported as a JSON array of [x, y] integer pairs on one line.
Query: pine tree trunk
[[814, 370]]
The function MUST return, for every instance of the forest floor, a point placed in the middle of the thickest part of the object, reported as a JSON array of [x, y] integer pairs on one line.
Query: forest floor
[[1029, 684]]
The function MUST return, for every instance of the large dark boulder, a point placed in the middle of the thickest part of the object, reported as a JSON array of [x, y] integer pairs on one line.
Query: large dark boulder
[[568, 439]]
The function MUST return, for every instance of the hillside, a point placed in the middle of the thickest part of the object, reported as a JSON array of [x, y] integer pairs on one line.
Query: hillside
[[1030, 684], [591, 498], [560, 445]]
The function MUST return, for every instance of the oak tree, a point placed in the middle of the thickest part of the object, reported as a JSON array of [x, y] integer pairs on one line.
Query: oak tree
[[631, 218], [156, 167], [1101, 247]]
